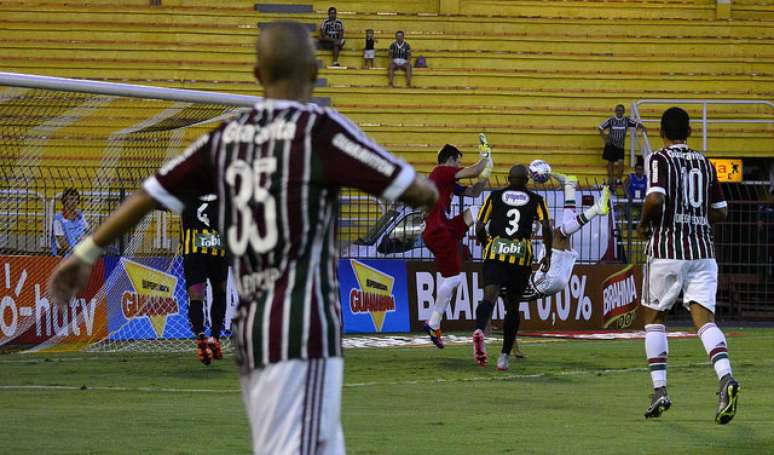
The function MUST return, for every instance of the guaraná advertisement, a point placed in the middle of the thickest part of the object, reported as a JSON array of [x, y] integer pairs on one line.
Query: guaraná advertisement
[[374, 298]]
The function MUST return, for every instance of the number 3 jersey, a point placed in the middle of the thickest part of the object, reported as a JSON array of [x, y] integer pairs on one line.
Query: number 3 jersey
[[198, 234], [690, 187], [511, 213], [276, 171]]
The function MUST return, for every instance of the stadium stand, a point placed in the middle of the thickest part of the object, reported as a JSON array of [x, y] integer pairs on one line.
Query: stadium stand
[[536, 76]]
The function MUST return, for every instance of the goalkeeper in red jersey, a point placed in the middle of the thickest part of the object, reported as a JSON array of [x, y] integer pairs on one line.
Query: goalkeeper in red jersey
[[443, 235]]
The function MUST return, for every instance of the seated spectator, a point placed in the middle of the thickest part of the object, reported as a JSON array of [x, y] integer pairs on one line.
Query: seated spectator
[[70, 226], [332, 35], [370, 52], [637, 182], [400, 58]]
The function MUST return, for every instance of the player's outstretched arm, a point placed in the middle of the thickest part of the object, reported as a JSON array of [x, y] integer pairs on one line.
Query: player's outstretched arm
[[472, 171], [73, 272], [421, 193]]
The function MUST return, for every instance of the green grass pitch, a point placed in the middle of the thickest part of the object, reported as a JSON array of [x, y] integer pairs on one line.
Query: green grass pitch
[[573, 397]]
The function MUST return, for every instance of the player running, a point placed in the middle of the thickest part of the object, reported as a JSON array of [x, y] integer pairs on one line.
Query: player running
[[683, 199], [545, 283], [510, 213], [277, 170], [204, 257], [442, 235]]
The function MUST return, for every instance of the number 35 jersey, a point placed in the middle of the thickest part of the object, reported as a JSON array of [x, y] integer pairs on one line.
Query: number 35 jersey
[[511, 214], [276, 171]]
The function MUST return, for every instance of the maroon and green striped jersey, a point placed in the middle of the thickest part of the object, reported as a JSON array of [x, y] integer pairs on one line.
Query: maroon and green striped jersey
[[690, 187], [277, 171]]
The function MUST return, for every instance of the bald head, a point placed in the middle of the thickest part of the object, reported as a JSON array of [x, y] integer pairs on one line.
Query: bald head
[[518, 176], [286, 61]]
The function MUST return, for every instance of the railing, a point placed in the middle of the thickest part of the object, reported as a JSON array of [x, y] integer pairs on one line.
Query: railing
[[744, 243], [705, 119]]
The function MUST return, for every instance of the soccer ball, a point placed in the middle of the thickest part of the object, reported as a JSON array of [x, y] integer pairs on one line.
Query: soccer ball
[[539, 171]]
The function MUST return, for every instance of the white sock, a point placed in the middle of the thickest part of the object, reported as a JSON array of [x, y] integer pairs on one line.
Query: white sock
[[715, 344], [657, 350], [442, 299]]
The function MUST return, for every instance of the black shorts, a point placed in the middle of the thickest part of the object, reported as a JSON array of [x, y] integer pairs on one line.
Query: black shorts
[[613, 153], [329, 44], [512, 277], [198, 267]]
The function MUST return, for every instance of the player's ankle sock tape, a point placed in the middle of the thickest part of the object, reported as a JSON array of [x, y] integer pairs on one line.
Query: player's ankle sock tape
[[657, 351], [196, 316], [483, 313], [717, 349]]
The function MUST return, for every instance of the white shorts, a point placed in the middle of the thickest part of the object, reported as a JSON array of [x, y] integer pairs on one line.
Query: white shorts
[[369, 53], [558, 275], [294, 407], [399, 61], [665, 279]]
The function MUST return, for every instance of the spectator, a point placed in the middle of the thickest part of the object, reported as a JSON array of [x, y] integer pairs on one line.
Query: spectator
[[637, 183], [400, 58], [332, 35], [70, 226], [370, 52], [614, 143]]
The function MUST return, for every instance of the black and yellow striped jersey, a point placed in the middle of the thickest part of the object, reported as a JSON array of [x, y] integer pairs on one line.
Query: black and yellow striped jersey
[[511, 214], [196, 235]]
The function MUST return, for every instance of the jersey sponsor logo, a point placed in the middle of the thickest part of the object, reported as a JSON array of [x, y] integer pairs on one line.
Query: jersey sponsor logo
[[515, 248], [515, 198], [152, 296], [202, 240], [374, 295], [279, 130], [619, 299], [363, 155]]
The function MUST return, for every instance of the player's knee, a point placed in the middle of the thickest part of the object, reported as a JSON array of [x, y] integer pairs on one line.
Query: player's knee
[[197, 291]]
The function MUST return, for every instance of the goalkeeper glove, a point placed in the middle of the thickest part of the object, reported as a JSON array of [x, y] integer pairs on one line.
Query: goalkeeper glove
[[486, 154]]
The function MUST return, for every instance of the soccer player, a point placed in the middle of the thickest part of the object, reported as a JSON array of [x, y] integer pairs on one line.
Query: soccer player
[[443, 235], [544, 283], [510, 213], [204, 258], [277, 170], [683, 199]]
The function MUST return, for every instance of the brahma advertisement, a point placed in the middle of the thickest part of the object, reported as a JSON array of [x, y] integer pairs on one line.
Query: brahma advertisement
[[597, 297], [374, 298]]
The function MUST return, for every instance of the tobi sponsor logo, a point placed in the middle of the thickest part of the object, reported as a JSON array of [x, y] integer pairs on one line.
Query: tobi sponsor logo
[[508, 248], [619, 297], [515, 198]]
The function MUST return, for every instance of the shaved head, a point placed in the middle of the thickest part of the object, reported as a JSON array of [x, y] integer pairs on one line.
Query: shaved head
[[286, 61], [518, 176]]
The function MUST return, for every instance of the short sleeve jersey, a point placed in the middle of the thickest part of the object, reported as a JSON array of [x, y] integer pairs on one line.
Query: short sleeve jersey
[[276, 171], [689, 183], [511, 214]]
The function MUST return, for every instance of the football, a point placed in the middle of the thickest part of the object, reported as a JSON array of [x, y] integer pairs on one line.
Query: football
[[539, 171]]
